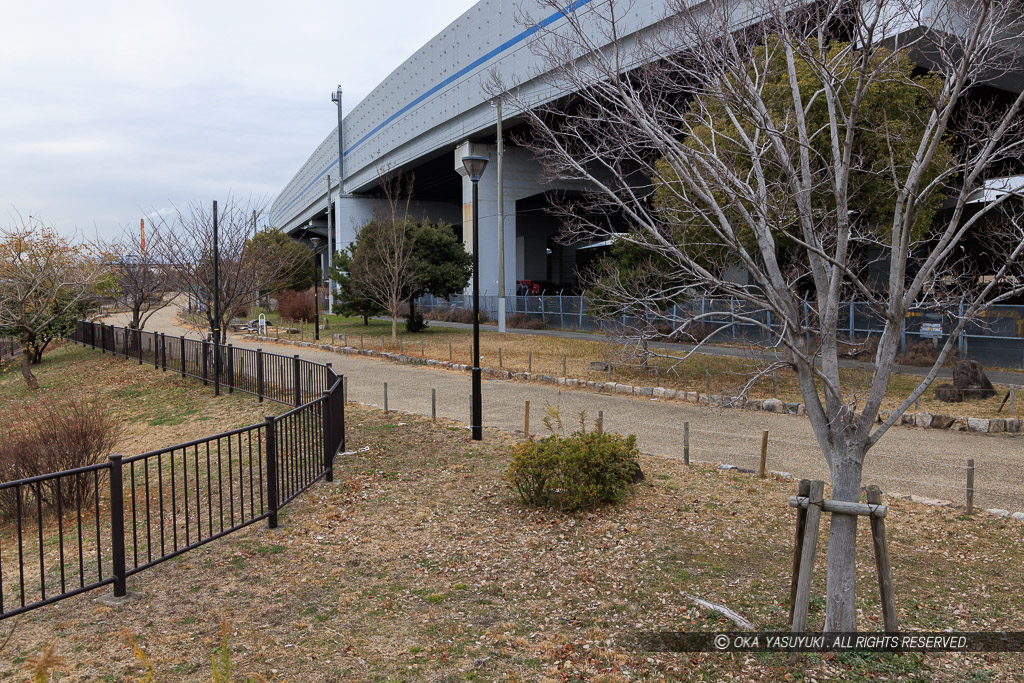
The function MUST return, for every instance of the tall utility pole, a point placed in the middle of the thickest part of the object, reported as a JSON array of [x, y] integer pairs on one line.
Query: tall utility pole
[[501, 225], [336, 98], [330, 249], [216, 306]]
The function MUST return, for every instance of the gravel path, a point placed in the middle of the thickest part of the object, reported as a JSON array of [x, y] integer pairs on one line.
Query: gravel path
[[924, 462]]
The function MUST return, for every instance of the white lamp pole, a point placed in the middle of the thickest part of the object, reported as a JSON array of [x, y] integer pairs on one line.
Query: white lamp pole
[[336, 98]]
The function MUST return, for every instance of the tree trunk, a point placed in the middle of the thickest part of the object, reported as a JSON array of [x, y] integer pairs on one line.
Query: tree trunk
[[26, 366], [394, 325], [840, 608]]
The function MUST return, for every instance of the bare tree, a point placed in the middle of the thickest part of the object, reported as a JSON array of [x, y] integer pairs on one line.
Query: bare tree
[[246, 266], [45, 284], [382, 257], [141, 280], [797, 143]]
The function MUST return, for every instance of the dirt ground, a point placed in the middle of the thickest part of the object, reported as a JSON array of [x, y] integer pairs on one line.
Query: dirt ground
[[419, 564]]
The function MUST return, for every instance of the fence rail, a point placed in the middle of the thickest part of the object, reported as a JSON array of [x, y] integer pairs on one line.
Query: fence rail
[[996, 336], [74, 531]]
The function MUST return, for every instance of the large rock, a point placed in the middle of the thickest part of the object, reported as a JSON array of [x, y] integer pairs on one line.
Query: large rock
[[942, 421], [970, 378], [949, 393]]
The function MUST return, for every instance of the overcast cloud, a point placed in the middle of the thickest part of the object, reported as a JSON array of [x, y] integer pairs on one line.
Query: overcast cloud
[[111, 109]]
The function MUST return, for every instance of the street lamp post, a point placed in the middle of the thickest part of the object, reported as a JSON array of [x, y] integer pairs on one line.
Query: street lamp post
[[316, 287], [475, 166], [333, 238]]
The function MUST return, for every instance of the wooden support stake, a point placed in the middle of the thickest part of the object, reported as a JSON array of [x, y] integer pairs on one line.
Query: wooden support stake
[[385, 397], [563, 365], [803, 489], [686, 443], [812, 522], [764, 455], [526, 420], [970, 486], [529, 361], [433, 404], [874, 497], [449, 351], [499, 357]]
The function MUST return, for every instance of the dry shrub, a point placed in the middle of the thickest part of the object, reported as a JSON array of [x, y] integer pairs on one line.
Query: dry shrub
[[54, 436], [924, 353], [574, 472], [454, 315], [863, 348], [523, 321], [294, 305]]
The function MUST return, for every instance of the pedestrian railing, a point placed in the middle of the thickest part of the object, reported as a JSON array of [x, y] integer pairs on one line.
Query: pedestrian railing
[[77, 530]]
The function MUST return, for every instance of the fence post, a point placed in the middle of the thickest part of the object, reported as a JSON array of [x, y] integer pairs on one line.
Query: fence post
[[163, 351], [231, 369], [259, 375], [341, 415], [117, 526], [433, 404], [563, 365], [103, 339], [138, 343], [271, 456], [499, 358], [297, 379], [182, 355], [530, 361], [686, 443], [385, 397], [326, 412], [206, 361], [764, 455], [970, 486], [526, 420]]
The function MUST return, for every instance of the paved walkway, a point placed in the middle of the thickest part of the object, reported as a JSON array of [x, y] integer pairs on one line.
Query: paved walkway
[[925, 462]]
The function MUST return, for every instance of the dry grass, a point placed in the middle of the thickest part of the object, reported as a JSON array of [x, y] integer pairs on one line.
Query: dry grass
[[544, 355], [419, 564]]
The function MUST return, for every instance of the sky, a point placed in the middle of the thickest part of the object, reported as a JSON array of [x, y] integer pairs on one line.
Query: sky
[[113, 109]]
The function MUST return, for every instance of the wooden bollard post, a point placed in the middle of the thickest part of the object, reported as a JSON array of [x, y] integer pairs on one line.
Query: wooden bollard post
[[812, 522], [970, 486], [433, 404], [600, 422], [686, 443], [526, 420], [499, 357], [874, 497], [803, 489], [761, 473], [529, 361], [385, 397]]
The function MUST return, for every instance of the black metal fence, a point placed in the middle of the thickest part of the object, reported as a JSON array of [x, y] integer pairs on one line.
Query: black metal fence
[[285, 379], [73, 531]]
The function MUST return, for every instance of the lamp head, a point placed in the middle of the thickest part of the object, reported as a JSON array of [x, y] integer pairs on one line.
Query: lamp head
[[316, 242], [475, 166]]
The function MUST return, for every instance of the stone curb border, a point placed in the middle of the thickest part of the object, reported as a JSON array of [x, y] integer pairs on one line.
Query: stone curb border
[[922, 419]]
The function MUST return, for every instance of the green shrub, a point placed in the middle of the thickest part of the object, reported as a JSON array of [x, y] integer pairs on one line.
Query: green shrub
[[574, 472]]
